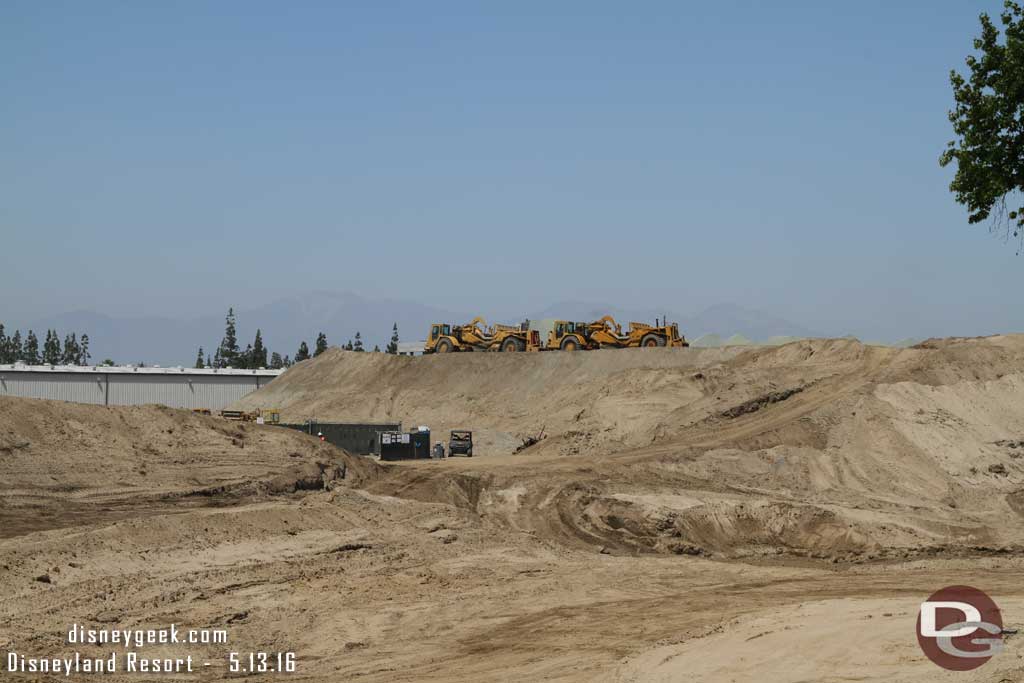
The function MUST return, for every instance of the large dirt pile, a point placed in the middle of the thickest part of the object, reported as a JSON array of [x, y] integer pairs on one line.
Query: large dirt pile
[[66, 462], [602, 399], [825, 448]]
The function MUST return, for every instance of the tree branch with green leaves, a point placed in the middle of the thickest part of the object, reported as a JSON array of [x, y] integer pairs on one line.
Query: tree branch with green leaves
[[988, 121]]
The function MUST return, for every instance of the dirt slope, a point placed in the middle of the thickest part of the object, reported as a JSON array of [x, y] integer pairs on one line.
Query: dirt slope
[[380, 589], [826, 449], [616, 397], [607, 401], [67, 463]]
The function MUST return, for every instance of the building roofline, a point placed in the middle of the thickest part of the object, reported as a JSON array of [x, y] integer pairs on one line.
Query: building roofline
[[133, 370]]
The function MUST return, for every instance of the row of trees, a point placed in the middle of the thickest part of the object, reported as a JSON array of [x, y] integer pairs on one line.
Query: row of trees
[[13, 349], [229, 355]]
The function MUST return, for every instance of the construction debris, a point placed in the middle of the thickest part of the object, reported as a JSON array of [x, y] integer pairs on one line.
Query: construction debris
[[530, 441]]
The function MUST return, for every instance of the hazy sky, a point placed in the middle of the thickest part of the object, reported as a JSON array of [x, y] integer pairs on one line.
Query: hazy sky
[[165, 158]]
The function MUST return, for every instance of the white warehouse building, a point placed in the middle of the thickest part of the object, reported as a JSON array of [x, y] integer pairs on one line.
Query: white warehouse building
[[130, 386]]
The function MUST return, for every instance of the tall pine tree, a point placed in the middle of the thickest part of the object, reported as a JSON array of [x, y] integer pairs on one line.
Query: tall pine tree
[[258, 358], [83, 353], [8, 352], [199, 359], [321, 344], [276, 362], [392, 347], [229, 345], [69, 356], [51, 349], [302, 354], [358, 346], [30, 351], [245, 358]]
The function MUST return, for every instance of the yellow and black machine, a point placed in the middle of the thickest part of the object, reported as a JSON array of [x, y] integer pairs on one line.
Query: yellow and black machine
[[441, 339], [607, 334], [566, 335], [477, 336], [270, 416], [444, 338]]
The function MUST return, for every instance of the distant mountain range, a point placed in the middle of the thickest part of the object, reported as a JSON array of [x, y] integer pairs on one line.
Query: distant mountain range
[[285, 322]]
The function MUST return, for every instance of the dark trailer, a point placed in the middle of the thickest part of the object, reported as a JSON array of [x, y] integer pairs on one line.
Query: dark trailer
[[404, 445], [358, 438]]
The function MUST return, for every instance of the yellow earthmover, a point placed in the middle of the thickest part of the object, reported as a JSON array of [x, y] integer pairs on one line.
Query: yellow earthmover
[[477, 336], [515, 338], [566, 335], [607, 334], [445, 338]]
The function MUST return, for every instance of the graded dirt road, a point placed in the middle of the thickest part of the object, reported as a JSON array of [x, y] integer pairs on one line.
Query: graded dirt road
[[770, 514]]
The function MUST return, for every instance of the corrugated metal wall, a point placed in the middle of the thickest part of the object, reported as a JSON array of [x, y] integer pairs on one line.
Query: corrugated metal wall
[[56, 386], [177, 391]]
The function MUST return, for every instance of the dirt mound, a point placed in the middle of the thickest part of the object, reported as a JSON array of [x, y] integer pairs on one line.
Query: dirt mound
[[607, 401], [61, 460], [599, 400], [822, 449]]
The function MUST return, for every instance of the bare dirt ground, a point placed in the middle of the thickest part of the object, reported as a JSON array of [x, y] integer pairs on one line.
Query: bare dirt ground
[[710, 515]]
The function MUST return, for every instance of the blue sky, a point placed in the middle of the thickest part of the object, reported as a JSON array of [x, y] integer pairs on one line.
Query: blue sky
[[173, 158]]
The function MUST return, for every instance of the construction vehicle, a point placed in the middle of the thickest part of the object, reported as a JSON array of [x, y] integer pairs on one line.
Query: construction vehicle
[[269, 416], [477, 336], [515, 338], [259, 416], [606, 333], [441, 340], [569, 336], [473, 336], [460, 441]]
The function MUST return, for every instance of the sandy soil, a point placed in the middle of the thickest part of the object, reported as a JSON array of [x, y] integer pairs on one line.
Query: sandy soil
[[710, 515]]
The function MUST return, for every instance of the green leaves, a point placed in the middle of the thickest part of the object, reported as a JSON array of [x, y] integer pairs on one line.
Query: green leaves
[[988, 120]]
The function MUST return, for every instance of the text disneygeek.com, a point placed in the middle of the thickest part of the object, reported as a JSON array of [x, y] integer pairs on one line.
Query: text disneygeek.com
[[124, 657]]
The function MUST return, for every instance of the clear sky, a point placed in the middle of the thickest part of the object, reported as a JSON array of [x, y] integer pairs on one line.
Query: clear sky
[[167, 158]]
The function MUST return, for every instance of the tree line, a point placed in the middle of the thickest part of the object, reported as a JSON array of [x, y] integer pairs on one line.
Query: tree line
[[74, 350], [228, 353]]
